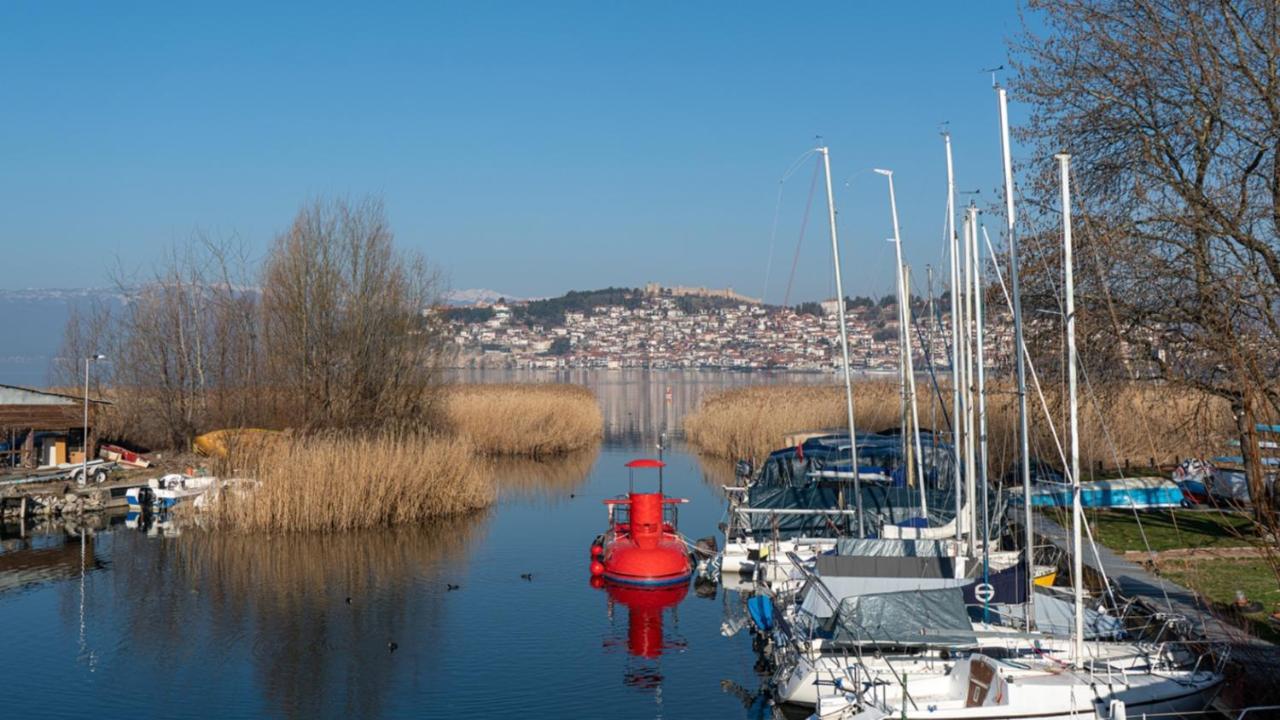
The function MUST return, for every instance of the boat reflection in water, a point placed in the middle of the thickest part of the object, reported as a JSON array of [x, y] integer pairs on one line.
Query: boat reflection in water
[[646, 637]]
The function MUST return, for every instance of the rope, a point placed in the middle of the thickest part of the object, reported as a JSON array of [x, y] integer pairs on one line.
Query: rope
[[804, 224], [773, 236]]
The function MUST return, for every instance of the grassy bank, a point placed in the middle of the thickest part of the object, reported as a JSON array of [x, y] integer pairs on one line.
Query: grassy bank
[[531, 420], [1135, 423], [1217, 581], [1170, 529], [338, 482]]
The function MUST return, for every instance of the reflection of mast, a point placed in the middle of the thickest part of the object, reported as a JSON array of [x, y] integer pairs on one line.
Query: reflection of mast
[[84, 643]]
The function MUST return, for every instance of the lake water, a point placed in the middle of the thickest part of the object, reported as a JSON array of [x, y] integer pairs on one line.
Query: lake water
[[117, 622]]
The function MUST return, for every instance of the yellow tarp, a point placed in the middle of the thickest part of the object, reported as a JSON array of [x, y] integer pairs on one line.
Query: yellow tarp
[[218, 442]]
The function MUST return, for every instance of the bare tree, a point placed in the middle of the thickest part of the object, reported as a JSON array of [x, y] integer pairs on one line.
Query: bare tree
[[347, 326], [1171, 110], [185, 354]]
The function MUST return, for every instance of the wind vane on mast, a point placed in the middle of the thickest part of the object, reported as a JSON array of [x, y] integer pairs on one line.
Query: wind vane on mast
[[993, 72]]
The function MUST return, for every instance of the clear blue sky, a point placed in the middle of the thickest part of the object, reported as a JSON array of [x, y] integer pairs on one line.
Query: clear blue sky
[[530, 148]]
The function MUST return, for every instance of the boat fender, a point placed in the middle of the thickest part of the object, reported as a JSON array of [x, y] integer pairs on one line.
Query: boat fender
[[761, 609], [597, 567]]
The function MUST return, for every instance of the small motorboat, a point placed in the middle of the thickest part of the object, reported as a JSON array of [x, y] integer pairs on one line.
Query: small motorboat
[[163, 493], [642, 546]]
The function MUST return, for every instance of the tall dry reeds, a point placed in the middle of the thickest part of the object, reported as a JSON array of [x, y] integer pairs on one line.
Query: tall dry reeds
[[1131, 422], [529, 419], [336, 482]]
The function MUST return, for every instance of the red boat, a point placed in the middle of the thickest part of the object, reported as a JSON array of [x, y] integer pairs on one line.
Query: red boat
[[642, 546]]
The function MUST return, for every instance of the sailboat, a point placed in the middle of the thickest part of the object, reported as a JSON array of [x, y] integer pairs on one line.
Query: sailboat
[[1103, 680]]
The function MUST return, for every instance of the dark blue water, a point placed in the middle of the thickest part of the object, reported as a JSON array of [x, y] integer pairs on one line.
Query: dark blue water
[[200, 626]]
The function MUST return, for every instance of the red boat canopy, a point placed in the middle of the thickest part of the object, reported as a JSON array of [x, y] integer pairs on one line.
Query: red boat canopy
[[646, 463]]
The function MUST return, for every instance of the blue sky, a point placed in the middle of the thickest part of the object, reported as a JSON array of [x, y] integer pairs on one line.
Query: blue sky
[[530, 148]]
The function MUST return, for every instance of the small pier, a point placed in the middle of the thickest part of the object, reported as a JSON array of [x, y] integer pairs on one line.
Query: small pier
[[1253, 663]]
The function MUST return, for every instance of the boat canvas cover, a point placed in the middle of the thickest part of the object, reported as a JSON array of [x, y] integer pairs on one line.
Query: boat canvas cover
[[1056, 616], [904, 618], [881, 547], [786, 482], [876, 558], [820, 605], [1136, 492], [877, 453]]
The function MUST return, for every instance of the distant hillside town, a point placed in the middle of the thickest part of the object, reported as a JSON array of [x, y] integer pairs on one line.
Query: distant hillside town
[[659, 327]]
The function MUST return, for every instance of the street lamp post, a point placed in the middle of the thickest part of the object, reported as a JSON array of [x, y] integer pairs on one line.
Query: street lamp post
[[84, 461]]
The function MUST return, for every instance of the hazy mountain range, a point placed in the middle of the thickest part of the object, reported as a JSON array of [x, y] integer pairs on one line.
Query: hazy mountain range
[[34, 320]]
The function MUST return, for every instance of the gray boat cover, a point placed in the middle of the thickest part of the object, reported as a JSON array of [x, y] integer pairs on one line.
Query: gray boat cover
[[1055, 615], [840, 587], [903, 618], [880, 547]]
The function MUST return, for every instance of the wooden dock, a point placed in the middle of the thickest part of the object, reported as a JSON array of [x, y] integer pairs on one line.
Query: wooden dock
[[1254, 664]]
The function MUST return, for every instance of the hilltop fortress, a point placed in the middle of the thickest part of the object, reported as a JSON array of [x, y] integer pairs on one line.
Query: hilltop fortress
[[657, 290]]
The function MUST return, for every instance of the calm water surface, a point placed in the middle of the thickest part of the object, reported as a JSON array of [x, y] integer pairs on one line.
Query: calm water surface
[[119, 623]]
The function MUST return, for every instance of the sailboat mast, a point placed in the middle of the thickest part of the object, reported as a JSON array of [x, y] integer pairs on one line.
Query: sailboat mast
[[956, 403], [1024, 439], [980, 355], [933, 333], [844, 344], [908, 365], [1077, 514], [911, 392], [970, 467]]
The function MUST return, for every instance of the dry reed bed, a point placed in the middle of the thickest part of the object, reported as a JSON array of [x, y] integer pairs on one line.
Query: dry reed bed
[[1133, 422], [338, 482], [528, 419]]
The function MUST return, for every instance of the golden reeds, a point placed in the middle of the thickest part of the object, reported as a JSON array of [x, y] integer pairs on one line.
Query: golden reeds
[[530, 419], [1132, 422], [341, 482]]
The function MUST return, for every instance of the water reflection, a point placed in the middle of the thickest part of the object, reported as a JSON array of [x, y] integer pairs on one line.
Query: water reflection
[[557, 478], [638, 404], [259, 626], [47, 550], [645, 637], [319, 610]]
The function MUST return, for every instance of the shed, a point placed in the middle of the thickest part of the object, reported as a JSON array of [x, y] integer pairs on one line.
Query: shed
[[40, 427]]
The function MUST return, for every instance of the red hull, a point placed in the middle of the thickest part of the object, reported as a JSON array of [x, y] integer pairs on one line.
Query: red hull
[[666, 561]]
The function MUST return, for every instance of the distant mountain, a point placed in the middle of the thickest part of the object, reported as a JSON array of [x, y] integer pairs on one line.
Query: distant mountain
[[478, 296], [34, 322]]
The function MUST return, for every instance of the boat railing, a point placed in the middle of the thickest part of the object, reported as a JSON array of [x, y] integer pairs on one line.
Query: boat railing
[[830, 598], [1256, 708]]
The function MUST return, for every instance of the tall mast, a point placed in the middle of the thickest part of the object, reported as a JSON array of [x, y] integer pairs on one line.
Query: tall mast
[[908, 365], [844, 345], [956, 404], [970, 433], [1077, 514], [979, 353], [918, 458], [933, 333], [1024, 440]]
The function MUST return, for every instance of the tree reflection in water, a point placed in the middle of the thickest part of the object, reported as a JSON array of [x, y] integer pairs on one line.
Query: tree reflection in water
[[312, 650]]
